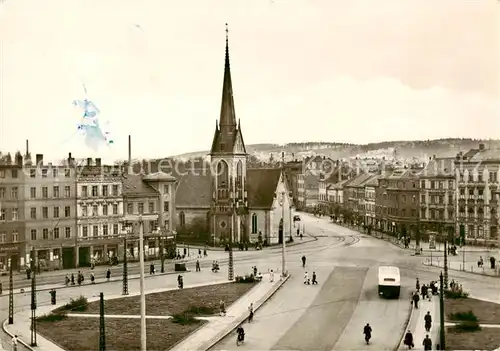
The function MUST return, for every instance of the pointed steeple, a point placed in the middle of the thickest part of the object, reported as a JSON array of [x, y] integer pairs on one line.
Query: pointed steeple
[[227, 115]]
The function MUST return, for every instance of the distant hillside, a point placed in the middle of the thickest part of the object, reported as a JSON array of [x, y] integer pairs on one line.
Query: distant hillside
[[404, 149]]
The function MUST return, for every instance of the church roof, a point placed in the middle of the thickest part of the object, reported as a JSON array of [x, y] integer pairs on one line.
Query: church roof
[[194, 189], [134, 186], [261, 186]]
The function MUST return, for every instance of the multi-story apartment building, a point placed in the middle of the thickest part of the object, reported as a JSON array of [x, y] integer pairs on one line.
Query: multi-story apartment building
[[477, 176], [152, 194], [354, 196], [49, 210], [437, 198], [370, 196], [295, 181], [12, 240], [99, 212], [397, 203]]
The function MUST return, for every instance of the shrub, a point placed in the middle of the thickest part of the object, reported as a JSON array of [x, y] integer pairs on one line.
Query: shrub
[[463, 316], [246, 279], [184, 319], [52, 317], [200, 310], [455, 294], [80, 305], [467, 326]]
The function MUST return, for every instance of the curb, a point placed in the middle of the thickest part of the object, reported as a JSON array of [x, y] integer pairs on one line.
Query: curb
[[463, 271], [405, 326], [6, 331], [210, 344]]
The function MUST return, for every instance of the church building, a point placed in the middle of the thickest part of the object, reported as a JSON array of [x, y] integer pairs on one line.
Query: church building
[[229, 201]]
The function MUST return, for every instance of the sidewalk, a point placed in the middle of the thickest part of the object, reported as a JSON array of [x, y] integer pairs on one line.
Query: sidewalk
[[218, 327], [417, 327], [470, 267]]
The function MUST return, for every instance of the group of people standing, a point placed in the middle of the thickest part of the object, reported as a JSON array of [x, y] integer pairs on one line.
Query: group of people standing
[[80, 278]]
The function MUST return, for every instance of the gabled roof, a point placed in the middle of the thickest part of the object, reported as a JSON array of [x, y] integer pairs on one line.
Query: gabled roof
[[359, 180], [341, 184], [487, 155], [444, 167], [261, 185], [194, 189], [373, 182], [134, 186], [159, 177]]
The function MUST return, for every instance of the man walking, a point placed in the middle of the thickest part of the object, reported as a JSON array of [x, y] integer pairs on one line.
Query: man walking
[[14, 343], [306, 279], [415, 298], [250, 313], [428, 321], [314, 281], [271, 276], [198, 269], [427, 343], [303, 261]]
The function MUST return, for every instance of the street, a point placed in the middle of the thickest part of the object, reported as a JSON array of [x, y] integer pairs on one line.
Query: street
[[327, 316]]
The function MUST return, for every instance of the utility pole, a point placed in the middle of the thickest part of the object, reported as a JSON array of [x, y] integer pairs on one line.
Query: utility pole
[[283, 241], [33, 299], [441, 313], [102, 326], [125, 267], [230, 271], [11, 293], [445, 265], [143, 295]]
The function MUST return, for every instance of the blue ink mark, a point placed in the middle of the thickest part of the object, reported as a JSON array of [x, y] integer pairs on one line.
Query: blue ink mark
[[90, 127]]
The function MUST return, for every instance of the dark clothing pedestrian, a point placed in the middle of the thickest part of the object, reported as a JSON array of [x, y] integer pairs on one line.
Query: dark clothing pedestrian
[[72, 279], [152, 268], [417, 285], [108, 274], [303, 261], [198, 269], [314, 281], [427, 343], [416, 298], [428, 321], [409, 340]]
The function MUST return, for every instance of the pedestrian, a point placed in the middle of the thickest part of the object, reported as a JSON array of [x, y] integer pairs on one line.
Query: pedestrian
[[314, 281], [152, 268], [92, 278], [409, 340], [66, 280], [205, 252], [303, 261], [417, 285], [306, 279], [428, 321], [427, 343], [429, 292], [222, 308], [198, 268], [250, 313], [423, 291], [108, 274], [72, 279], [14, 343], [271, 276], [180, 281], [416, 298], [199, 253], [255, 271]]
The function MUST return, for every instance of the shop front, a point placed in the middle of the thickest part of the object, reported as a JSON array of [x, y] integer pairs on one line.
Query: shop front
[[11, 252]]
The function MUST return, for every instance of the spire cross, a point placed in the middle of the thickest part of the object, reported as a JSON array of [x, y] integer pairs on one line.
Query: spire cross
[[227, 33]]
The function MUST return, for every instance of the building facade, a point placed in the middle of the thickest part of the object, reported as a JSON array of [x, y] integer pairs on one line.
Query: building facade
[[370, 203]]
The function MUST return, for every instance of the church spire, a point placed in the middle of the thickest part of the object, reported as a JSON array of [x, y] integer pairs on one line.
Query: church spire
[[227, 114]]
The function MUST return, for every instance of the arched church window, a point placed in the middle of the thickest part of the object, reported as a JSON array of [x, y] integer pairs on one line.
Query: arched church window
[[254, 223], [222, 180], [182, 219]]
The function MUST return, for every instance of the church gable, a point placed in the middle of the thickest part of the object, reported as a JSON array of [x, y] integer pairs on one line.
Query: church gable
[[239, 145]]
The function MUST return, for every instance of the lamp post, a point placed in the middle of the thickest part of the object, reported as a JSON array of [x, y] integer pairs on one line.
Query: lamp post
[[290, 209], [125, 261], [33, 299], [140, 219], [283, 247], [234, 204], [11, 293], [441, 313], [445, 265]]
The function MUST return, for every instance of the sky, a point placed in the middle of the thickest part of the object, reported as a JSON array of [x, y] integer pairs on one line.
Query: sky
[[311, 70]]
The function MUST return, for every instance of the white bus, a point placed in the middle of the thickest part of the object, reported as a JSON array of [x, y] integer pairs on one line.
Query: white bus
[[389, 281]]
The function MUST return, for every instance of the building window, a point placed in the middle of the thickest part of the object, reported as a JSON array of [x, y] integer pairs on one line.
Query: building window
[[33, 212], [404, 198], [84, 211], [182, 219], [45, 212], [105, 229], [15, 237], [493, 177], [33, 234], [95, 211], [115, 229], [56, 233], [166, 206], [15, 214], [104, 210], [141, 207], [151, 207], [433, 184], [67, 191], [441, 185], [45, 234], [130, 208], [450, 184], [254, 223], [84, 191], [422, 198], [450, 214], [56, 212], [165, 189], [480, 177], [480, 192], [104, 190], [55, 173], [115, 190], [422, 184], [2, 193], [450, 199], [2, 215], [14, 173], [115, 209], [33, 192], [32, 173], [44, 173], [95, 191], [14, 192], [153, 225], [461, 209], [67, 232], [45, 192], [55, 192], [95, 230], [85, 231], [67, 211], [67, 173], [422, 213]]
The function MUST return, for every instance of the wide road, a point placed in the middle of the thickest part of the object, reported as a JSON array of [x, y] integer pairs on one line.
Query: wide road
[[331, 315]]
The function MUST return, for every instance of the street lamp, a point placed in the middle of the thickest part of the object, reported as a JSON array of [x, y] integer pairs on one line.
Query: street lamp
[[283, 256], [141, 218], [125, 232], [234, 205]]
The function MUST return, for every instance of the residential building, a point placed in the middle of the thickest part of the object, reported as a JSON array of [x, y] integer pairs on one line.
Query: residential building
[[354, 196], [12, 224], [311, 190], [295, 176], [151, 194], [99, 209], [437, 198], [49, 193], [477, 177], [397, 202], [370, 204]]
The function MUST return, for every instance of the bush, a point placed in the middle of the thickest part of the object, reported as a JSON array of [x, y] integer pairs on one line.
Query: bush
[[80, 305], [463, 316], [200, 310], [184, 319], [246, 279], [52, 317], [467, 326], [455, 294]]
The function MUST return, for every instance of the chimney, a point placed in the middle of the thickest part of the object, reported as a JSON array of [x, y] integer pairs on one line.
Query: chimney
[[98, 162], [39, 159], [481, 147], [129, 154], [19, 159], [89, 161], [27, 147]]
